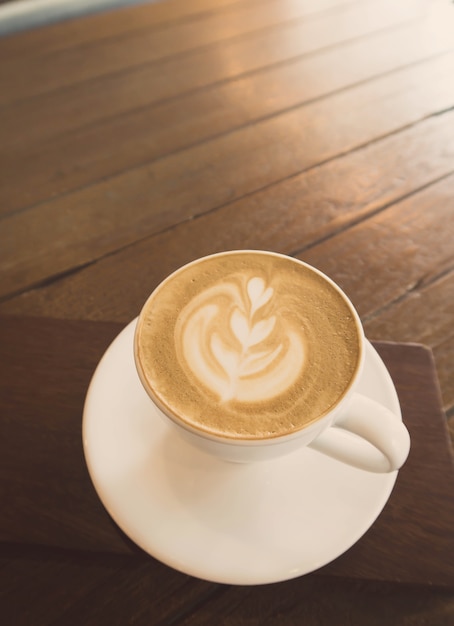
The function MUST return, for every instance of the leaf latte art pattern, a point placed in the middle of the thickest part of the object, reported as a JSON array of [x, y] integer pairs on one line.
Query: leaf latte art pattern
[[236, 343]]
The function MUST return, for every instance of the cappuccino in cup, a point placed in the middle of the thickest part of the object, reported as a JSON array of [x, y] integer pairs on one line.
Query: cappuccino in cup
[[253, 354], [248, 346]]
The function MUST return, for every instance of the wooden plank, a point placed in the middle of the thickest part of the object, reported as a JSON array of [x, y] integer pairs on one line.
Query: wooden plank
[[89, 102], [53, 71], [53, 500], [98, 220], [71, 160], [423, 314], [85, 30], [284, 217], [31, 591], [322, 600], [451, 422], [148, 594], [57, 587], [310, 600], [444, 360], [393, 250]]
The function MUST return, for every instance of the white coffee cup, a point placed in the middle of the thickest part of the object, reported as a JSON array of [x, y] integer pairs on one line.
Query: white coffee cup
[[356, 430]]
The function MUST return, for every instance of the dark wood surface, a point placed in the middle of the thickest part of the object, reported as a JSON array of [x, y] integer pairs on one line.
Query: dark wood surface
[[136, 140], [54, 528]]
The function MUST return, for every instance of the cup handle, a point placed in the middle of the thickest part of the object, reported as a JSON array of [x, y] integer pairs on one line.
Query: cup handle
[[381, 444]]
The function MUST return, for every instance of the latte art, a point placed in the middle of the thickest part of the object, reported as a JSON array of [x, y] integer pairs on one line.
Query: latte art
[[236, 344], [247, 345]]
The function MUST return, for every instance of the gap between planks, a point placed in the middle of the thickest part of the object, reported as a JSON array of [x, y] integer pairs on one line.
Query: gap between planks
[[105, 25], [196, 71], [93, 167], [120, 56], [322, 255], [415, 140], [8, 169]]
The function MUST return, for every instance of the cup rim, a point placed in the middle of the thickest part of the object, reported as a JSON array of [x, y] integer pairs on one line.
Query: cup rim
[[251, 441]]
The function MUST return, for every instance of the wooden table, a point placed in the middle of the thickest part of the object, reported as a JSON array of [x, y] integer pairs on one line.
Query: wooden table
[[136, 140]]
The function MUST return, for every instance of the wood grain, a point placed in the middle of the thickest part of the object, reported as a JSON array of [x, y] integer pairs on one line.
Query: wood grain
[[140, 47], [424, 304], [86, 103], [145, 592], [395, 240], [320, 600], [68, 161], [43, 430], [444, 352], [423, 314], [85, 30], [286, 217], [214, 174], [57, 587], [31, 590]]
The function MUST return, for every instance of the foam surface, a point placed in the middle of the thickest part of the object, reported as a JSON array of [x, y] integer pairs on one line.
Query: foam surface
[[247, 345]]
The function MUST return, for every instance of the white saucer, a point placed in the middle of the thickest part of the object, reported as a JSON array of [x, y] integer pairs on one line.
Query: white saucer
[[223, 522]]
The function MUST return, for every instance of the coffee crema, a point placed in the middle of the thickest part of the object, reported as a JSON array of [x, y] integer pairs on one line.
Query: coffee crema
[[247, 345]]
